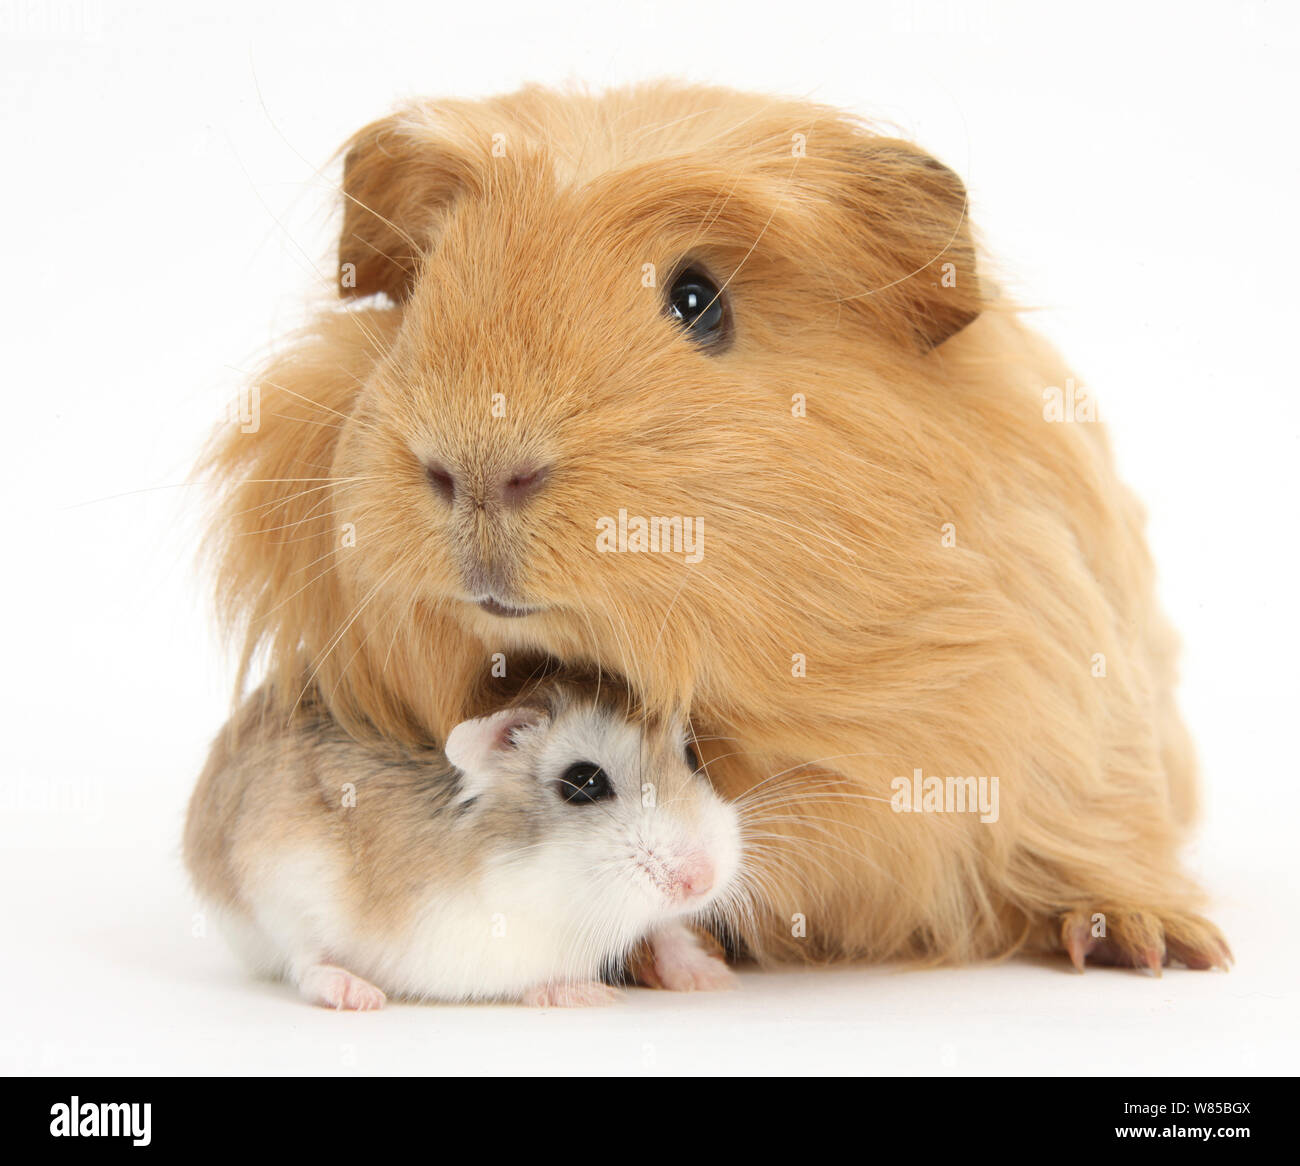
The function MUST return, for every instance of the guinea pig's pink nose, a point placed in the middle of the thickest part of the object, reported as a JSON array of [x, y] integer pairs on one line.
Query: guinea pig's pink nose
[[522, 483], [695, 876], [510, 488], [442, 480]]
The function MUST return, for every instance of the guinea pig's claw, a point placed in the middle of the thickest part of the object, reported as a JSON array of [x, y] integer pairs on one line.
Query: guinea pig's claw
[[1077, 939], [1133, 939]]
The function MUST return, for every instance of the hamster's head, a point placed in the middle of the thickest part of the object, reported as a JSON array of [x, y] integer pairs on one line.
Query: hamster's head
[[615, 811], [628, 340]]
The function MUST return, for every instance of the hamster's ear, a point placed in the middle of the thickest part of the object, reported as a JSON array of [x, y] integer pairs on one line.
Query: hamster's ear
[[399, 176], [911, 216], [476, 746]]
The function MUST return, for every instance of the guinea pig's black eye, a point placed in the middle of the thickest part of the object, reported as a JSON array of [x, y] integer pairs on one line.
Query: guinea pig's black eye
[[584, 782], [692, 758], [695, 302]]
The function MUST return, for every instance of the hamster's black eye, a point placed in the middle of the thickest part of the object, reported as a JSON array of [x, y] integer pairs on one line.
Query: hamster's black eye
[[584, 782], [695, 302], [692, 758]]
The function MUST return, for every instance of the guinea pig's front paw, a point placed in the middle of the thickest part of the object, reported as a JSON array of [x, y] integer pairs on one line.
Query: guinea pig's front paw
[[680, 959], [579, 994], [1139, 939], [334, 987]]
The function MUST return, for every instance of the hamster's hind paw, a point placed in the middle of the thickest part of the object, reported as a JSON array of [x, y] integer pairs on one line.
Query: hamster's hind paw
[[582, 994], [680, 959], [337, 988], [1137, 939]]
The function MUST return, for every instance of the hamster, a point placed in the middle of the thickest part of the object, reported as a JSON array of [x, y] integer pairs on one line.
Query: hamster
[[865, 523], [531, 857]]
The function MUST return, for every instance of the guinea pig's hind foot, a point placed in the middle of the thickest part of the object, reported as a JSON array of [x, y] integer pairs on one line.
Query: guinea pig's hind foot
[[337, 988], [1138, 939], [681, 959], [576, 994]]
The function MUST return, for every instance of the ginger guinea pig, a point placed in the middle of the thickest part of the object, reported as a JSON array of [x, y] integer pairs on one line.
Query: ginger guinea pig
[[706, 388], [568, 832]]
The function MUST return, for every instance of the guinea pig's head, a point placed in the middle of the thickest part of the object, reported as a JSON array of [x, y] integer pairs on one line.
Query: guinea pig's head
[[614, 809], [629, 380]]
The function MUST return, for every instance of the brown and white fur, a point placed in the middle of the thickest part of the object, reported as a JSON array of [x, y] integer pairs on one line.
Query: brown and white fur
[[906, 566], [359, 872]]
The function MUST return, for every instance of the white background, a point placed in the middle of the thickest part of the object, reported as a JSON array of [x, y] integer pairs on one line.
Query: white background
[[165, 203]]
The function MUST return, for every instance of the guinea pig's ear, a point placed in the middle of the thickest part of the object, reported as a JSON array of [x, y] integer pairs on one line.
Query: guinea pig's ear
[[399, 174], [475, 747], [912, 214]]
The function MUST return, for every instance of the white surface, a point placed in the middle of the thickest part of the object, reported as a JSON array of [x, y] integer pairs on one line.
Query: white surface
[[1135, 170]]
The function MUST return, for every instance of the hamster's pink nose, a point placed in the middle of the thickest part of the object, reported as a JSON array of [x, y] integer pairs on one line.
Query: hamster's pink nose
[[695, 876]]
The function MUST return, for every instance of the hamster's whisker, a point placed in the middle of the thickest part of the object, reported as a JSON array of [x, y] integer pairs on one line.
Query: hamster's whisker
[[820, 761], [815, 852], [590, 948], [751, 835], [809, 791], [800, 793]]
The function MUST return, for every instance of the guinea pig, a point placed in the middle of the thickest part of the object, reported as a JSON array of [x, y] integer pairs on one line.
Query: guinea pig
[[550, 843], [709, 389]]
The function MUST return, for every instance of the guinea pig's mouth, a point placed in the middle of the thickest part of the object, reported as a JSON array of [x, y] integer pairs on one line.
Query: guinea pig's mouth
[[505, 610]]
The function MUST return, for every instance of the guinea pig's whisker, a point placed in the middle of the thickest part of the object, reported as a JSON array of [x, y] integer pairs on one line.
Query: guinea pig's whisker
[[310, 516], [338, 636], [364, 639], [314, 579], [333, 550], [314, 404], [276, 503], [309, 421]]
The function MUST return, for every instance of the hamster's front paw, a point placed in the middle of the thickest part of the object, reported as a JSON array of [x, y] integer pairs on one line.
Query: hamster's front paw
[[1137, 939], [680, 959], [334, 987], [581, 994]]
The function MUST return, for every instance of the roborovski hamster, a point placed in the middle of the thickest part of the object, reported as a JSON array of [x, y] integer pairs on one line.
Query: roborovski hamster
[[554, 842]]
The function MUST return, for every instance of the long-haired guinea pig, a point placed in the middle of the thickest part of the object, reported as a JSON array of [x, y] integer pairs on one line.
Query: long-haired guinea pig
[[537, 854], [707, 389]]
